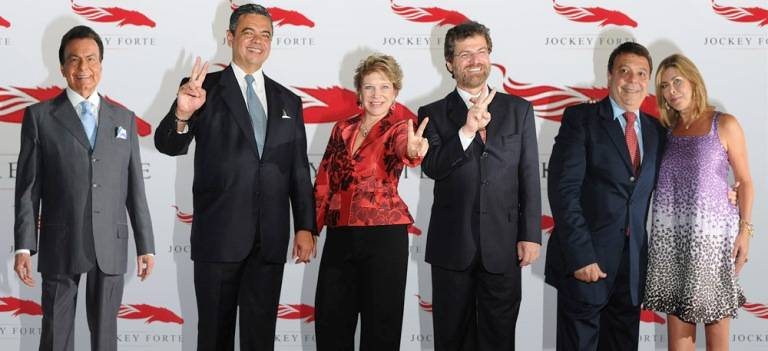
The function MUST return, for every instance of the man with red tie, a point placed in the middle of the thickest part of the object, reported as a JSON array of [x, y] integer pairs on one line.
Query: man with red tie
[[485, 222], [602, 171]]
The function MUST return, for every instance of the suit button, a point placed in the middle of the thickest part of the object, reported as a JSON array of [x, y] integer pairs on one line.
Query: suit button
[[94, 159], [96, 211], [485, 182], [95, 185], [632, 179], [485, 154]]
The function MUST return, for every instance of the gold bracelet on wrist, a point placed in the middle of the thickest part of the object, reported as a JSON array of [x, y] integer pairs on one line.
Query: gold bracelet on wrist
[[748, 227]]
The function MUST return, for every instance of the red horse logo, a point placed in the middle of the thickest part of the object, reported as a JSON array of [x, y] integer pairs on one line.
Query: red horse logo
[[4, 22], [429, 14], [150, 313], [112, 14], [412, 229], [759, 310], [299, 311], [183, 217], [594, 14], [326, 105], [13, 101], [549, 102], [425, 306], [547, 224], [282, 17], [648, 316], [19, 306], [742, 14]]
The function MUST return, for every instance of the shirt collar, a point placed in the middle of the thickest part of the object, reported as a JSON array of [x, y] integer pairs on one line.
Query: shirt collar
[[75, 99], [258, 77], [618, 111], [465, 95]]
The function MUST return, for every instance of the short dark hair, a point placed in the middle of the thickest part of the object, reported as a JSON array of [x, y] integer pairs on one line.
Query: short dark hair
[[630, 47], [464, 31], [248, 9], [80, 32]]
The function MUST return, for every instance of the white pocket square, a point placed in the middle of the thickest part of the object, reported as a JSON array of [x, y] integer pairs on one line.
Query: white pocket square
[[285, 115], [120, 133]]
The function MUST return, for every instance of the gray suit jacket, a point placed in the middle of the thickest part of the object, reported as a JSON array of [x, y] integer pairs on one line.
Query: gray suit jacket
[[81, 196]]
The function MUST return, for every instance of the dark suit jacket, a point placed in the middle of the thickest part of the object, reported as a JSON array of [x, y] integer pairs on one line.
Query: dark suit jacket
[[486, 198], [81, 196], [238, 195], [595, 196]]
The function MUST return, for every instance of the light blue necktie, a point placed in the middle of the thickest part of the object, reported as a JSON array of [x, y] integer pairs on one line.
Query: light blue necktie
[[256, 110], [88, 118]]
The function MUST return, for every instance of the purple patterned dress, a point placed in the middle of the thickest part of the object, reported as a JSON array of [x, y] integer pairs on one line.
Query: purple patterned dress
[[690, 270]]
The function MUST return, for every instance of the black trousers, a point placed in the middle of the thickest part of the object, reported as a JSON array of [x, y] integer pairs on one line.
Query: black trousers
[[363, 270], [474, 309], [614, 325], [103, 293], [253, 285]]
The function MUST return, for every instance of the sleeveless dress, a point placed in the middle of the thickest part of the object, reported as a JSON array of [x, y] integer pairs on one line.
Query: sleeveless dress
[[690, 270]]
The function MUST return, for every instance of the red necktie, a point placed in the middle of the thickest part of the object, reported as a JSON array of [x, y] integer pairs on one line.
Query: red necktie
[[631, 138], [482, 134]]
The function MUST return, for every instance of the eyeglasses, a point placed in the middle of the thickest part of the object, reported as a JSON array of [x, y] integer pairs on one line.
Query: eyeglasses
[[466, 55]]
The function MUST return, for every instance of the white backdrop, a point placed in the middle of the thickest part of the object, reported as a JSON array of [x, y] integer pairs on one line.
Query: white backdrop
[[552, 53]]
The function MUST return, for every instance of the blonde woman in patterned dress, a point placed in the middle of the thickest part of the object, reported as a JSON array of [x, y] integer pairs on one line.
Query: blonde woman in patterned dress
[[699, 240]]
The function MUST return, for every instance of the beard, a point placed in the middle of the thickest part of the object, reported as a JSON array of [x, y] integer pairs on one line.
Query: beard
[[471, 80]]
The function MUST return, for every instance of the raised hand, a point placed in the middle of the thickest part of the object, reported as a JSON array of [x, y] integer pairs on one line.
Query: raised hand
[[191, 94], [478, 116], [417, 144]]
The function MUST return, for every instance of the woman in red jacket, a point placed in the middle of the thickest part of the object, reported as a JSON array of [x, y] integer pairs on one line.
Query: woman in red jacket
[[365, 258]]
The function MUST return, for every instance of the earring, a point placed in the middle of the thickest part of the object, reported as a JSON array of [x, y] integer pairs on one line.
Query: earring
[[666, 105]]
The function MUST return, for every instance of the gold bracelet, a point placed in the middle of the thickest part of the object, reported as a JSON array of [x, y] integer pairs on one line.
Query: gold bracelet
[[748, 226]]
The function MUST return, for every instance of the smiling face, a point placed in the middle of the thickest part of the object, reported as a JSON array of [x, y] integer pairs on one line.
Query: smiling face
[[378, 94], [251, 42], [471, 63], [82, 66], [628, 82], [676, 89]]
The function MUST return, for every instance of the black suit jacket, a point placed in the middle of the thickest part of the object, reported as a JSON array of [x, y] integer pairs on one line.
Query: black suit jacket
[[487, 197], [237, 194], [595, 196]]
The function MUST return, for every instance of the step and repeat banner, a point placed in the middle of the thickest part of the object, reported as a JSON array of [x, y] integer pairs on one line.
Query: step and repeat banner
[[552, 53]]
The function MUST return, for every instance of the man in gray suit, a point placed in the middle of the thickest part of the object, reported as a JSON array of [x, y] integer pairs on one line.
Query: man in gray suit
[[79, 170]]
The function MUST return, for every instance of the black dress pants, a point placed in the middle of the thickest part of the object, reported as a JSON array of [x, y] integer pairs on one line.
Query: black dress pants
[[362, 271]]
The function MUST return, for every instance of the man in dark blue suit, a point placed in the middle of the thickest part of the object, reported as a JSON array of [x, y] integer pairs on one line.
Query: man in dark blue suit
[[485, 222], [602, 171]]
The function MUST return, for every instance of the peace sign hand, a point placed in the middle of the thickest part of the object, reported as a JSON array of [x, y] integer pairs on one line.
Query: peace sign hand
[[191, 94], [478, 116], [417, 145]]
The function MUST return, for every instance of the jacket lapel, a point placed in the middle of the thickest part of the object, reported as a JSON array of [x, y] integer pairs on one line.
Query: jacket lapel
[[456, 109], [66, 115], [498, 110], [106, 128], [613, 129], [275, 109], [650, 142], [233, 97]]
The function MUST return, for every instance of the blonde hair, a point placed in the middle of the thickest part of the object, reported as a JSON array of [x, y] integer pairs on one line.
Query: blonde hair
[[668, 116], [383, 64]]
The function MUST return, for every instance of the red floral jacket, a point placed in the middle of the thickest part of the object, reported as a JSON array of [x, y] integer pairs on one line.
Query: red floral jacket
[[361, 189]]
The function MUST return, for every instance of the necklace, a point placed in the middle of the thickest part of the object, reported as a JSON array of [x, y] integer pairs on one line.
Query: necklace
[[364, 130]]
